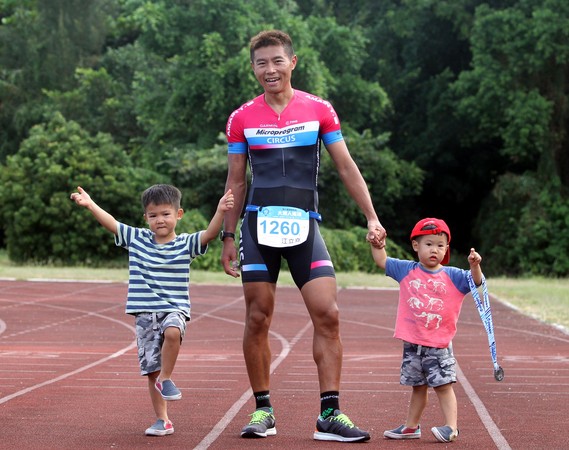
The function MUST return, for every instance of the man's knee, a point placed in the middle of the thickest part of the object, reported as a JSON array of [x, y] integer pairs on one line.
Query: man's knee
[[327, 321]]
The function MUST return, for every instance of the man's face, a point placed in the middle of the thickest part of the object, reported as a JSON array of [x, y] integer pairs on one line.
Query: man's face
[[273, 68]]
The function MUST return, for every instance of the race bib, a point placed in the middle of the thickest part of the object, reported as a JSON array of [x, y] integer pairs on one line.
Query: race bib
[[282, 226]]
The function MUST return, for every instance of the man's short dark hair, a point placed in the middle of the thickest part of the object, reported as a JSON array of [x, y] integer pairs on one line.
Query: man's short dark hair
[[269, 38]]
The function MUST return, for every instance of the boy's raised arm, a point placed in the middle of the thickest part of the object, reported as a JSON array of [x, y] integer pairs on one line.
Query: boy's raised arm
[[474, 259], [103, 217], [225, 204]]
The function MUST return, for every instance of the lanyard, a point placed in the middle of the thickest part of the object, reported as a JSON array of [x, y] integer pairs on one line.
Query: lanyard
[[483, 306]]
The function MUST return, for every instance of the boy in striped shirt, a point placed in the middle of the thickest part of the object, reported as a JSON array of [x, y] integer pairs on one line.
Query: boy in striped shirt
[[158, 288]]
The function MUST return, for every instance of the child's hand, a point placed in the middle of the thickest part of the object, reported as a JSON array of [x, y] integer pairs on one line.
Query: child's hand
[[474, 258], [81, 197], [226, 202], [376, 235]]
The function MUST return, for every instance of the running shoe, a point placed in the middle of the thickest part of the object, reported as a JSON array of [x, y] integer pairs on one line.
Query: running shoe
[[445, 434], [338, 427], [262, 424], [160, 428], [168, 390], [403, 432]]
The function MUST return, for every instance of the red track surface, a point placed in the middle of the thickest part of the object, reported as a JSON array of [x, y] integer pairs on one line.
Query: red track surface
[[70, 374]]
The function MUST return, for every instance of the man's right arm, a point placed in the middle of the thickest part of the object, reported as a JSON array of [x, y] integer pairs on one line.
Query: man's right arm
[[237, 182]]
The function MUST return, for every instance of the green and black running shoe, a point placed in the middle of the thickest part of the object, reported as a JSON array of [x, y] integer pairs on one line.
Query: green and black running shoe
[[338, 427], [262, 424]]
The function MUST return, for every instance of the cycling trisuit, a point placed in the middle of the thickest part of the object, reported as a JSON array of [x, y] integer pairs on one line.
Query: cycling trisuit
[[284, 158]]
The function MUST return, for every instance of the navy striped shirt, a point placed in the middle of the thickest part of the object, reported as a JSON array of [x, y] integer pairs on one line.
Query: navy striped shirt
[[159, 274]]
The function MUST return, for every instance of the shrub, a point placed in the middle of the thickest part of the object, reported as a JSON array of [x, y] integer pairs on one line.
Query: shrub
[[40, 222]]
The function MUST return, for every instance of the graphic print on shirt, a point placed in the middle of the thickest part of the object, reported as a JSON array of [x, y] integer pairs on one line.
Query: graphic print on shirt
[[438, 286], [416, 284], [427, 305], [434, 303], [415, 303], [431, 318], [429, 302]]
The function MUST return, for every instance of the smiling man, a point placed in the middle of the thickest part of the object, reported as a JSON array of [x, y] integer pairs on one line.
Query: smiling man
[[279, 134]]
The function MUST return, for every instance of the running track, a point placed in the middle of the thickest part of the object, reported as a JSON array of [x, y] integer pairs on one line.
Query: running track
[[70, 374]]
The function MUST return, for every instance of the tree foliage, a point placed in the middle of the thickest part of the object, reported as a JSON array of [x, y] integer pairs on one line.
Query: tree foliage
[[451, 108], [41, 223]]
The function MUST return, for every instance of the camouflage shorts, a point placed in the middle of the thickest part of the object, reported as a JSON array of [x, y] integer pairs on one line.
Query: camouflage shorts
[[150, 337], [427, 365]]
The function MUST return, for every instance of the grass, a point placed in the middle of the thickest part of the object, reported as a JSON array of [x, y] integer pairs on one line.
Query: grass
[[543, 298]]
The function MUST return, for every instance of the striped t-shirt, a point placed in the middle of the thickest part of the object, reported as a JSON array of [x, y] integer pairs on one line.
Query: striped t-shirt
[[159, 274]]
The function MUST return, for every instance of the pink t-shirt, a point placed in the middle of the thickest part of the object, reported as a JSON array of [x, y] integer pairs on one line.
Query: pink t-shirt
[[429, 302]]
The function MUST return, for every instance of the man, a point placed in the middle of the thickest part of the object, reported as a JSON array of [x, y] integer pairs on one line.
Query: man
[[280, 132]]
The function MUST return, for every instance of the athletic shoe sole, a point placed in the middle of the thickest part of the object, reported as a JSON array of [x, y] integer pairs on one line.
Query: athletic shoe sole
[[321, 436], [256, 434]]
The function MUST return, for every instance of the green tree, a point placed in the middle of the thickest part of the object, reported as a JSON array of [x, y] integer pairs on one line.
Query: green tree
[[41, 44], [516, 95], [40, 223]]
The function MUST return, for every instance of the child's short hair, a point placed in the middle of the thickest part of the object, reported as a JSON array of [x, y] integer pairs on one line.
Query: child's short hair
[[162, 194], [269, 38]]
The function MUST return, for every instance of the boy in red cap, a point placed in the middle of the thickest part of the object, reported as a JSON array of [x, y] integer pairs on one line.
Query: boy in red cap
[[430, 299]]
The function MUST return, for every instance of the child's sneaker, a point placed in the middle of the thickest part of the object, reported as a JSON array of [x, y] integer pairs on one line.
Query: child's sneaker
[[262, 424], [445, 434], [168, 390], [160, 428], [338, 427], [403, 432]]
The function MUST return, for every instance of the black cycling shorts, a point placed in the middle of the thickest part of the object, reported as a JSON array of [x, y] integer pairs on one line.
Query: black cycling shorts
[[306, 261]]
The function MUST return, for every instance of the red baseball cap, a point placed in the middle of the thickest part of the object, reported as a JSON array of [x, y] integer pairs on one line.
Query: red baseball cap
[[430, 225]]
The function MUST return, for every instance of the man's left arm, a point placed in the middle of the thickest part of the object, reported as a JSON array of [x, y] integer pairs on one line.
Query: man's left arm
[[357, 188]]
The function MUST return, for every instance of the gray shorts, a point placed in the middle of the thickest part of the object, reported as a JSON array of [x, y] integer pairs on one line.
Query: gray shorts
[[427, 365], [150, 337]]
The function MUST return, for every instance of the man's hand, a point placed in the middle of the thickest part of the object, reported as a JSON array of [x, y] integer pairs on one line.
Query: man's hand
[[229, 258], [376, 234]]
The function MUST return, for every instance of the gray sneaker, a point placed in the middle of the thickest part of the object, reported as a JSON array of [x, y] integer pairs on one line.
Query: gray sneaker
[[402, 432], [339, 427], [168, 390], [262, 424], [445, 434], [160, 428]]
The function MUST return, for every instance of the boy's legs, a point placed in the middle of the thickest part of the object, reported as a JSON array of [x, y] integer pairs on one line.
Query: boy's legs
[[149, 343], [173, 327], [158, 403], [170, 351], [417, 404], [447, 400]]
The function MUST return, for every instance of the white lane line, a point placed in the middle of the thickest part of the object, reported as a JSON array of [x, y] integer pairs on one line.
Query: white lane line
[[80, 369], [485, 417], [236, 407]]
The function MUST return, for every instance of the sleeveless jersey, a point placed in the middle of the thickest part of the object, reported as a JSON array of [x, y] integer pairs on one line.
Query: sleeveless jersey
[[429, 302], [283, 149], [159, 274]]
